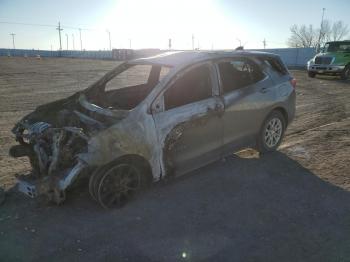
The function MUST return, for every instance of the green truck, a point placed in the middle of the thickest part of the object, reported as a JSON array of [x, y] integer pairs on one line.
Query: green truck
[[334, 59]]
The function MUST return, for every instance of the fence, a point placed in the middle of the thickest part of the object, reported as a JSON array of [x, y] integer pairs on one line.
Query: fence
[[63, 53], [293, 57]]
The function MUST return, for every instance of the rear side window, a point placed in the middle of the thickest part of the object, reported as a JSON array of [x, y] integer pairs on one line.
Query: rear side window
[[275, 64], [239, 73]]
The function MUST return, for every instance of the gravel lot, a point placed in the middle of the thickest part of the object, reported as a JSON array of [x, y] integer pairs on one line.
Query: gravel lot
[[292, 205]]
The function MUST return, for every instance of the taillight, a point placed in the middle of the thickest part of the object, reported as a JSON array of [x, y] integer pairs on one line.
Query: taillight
[[293, 82]]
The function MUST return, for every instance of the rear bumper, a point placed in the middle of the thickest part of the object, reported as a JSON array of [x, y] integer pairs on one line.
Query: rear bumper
[[324, 69]]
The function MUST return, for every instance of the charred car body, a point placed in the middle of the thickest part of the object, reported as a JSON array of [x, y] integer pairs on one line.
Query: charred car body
[[153, 118]]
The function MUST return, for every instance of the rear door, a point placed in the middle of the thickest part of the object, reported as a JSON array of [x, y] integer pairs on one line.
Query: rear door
[[248, 94], [188, 120]]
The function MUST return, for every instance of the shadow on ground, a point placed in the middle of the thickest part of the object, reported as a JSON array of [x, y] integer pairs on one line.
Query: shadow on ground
[[267, 209]]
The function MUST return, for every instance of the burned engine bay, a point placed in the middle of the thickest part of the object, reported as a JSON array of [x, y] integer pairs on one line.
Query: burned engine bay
[[52, 137]]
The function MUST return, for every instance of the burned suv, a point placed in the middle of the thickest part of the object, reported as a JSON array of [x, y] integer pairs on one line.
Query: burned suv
[[154, 118]]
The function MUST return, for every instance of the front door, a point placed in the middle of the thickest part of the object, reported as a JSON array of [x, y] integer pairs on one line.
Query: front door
[[189, 123]]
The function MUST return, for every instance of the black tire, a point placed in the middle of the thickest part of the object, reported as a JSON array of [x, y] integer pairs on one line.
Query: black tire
[[93, 181], [345, 75], [117, 183], [271, 132], [311, 74], [2, 196]]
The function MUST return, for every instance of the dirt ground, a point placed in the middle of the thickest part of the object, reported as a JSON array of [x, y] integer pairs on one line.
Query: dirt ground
[[292, 205]]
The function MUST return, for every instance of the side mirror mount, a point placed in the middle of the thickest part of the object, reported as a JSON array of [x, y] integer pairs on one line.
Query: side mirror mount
[[158, 105]]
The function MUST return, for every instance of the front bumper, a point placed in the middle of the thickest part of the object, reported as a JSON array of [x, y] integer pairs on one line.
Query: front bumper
[[44, 186], [324, 69]]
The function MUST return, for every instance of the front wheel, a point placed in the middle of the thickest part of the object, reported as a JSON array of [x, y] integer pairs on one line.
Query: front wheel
[[346, 73], [271, 132], [115, 185], [311, 74]]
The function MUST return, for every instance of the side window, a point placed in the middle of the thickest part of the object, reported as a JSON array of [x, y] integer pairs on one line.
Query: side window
[[194, 86], [239, 73], [275, 65]]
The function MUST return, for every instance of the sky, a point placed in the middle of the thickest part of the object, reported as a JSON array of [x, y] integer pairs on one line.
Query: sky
[[220, 24]]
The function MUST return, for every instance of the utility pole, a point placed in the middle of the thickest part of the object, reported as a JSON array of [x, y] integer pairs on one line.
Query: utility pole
[[240, 42], [109, 37], [13, 40], [264, 43], [130, 43], [59, 33], [73, 41], [169, 43], [321, 31], [81, 42], [192, 41], [67, 41]]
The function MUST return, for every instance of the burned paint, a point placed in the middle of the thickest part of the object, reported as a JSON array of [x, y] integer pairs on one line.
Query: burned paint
[[68, 136], [173, 138]]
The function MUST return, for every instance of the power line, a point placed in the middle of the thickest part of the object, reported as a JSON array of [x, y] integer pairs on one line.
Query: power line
[[28, 24], [48, 25]]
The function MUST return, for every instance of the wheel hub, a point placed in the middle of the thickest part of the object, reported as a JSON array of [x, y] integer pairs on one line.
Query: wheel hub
[[117, 185], [273, 132]]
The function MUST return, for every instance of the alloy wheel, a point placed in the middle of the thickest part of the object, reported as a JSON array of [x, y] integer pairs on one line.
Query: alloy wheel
[[273, 132], [118, 185]]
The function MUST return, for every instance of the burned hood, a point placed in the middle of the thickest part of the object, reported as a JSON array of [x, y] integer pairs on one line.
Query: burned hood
[[48, 112], [73, 111]]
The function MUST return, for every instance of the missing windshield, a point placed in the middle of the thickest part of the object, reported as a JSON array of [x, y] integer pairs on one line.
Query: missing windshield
[[129, 87]]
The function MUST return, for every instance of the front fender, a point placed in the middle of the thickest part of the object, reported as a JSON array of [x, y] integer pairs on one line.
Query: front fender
[[113, 143]]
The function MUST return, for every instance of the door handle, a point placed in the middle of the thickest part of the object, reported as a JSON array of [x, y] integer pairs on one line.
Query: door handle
[[263, 90], [210, 109], [216, 108]]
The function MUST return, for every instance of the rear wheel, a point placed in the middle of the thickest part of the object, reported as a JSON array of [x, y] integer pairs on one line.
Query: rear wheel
[[346, 73], [311, 74], [271, 133]]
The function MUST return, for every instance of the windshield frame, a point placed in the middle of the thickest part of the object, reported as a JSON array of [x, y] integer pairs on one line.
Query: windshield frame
[[335, 47], [97, 90]]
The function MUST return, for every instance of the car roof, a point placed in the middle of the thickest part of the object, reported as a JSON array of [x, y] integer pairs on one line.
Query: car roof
[[178, 58]]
